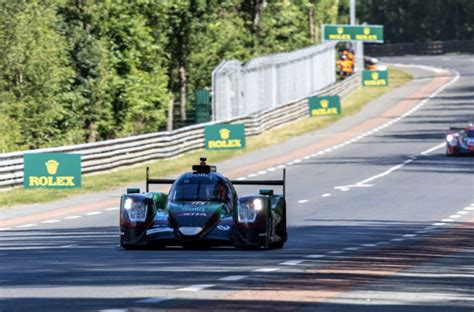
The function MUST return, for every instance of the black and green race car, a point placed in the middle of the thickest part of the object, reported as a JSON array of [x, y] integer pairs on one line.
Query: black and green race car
[[203, 209]]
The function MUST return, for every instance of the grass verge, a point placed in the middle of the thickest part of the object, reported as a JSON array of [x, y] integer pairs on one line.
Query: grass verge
[[123, 177]]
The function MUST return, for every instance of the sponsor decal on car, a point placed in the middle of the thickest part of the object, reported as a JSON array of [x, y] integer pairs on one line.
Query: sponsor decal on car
[[161, 217], [159, 230], [223, 227], [192, 214], [194, 209]]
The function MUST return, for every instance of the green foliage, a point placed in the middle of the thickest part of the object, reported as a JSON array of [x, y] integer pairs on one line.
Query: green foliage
[[75, 71], [33, 75], [283, 27]]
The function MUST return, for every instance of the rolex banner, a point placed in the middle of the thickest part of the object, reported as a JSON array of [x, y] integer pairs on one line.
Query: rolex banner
[[224, 136], [46, 170], [324, 105], [377, 78], [364, 33]]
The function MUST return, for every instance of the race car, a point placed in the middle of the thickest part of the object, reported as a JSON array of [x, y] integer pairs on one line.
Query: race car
[[460, 141], [203, 210]]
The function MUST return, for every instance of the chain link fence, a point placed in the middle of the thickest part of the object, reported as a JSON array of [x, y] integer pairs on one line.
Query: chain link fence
[[268, 82]]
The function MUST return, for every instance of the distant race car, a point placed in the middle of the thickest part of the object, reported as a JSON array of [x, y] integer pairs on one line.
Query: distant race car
[[460, 141], [202, 209]]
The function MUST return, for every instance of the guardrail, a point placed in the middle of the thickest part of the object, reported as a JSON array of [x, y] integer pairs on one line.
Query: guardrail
[[421, 48], [107, 155]]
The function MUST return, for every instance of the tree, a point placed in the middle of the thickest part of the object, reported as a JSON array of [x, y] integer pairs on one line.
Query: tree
[[33, 74]]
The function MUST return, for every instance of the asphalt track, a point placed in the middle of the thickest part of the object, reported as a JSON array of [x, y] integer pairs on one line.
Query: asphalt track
[[380, 220]]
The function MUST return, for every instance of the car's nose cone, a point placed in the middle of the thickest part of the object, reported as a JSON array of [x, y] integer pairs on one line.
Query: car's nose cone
[[192, 218], [190, 230]]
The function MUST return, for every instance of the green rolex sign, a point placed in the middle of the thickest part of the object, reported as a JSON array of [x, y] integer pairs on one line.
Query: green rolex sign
[[224, 136], [373, 78], [365, 33], [324, 105], [50, 170]]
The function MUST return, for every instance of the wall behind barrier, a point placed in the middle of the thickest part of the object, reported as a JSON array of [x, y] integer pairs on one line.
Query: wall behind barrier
[[268, 82]]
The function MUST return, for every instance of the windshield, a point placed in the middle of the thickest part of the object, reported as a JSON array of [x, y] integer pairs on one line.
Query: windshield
[[199, 188]]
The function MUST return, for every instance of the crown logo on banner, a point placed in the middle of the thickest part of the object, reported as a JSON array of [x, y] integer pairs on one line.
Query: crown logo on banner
[[224, 133], [324, 103], [52, 166]]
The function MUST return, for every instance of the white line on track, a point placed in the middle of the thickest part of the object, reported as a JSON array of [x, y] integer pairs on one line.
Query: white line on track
[[352, 248], [5, 229], [334, 252], [262, 172], [314, 256], [369, 245], [409, 235], [291, 262], [154, 300], [93, 213], [434, 148], [397, 240], [422, 232], [51, 221], [462, 212], [112, 208], [469, 208], [454, 216], [326, 195], [232, 278], [266, 270], [439, 223], [447, 220], [72, 217], [302, 201], [27, 225], [241, 178], [67, 246], [197, 287]]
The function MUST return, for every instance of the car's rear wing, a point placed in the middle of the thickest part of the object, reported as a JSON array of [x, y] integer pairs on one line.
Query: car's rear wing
[[234, 182], [264, 182], [155, 181]]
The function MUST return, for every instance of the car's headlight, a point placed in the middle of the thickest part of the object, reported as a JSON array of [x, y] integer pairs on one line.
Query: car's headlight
[[247, 211], [136, 210], [451, 139]]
